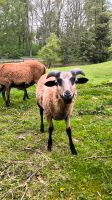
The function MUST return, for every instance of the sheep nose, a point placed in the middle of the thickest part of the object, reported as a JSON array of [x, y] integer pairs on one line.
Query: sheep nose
[[68, 94]]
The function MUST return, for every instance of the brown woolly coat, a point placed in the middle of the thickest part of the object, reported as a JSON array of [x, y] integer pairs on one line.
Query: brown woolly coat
[[23, 72]]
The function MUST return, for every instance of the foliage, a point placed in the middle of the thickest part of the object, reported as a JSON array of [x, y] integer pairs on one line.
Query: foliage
[[110, 52], [50, 53], [95, 42], [87, 46], [24, 23], [102, 40], [69, 49], [14, 30], [47, 27], [35, 49], [29, 171]]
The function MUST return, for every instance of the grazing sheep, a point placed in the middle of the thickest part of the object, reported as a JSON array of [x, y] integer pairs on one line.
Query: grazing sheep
[[19, 75], [55, 96]]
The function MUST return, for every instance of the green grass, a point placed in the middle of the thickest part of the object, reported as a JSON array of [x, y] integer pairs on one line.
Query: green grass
[[28, 171]]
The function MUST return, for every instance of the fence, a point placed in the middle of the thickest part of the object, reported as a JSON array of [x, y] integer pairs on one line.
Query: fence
[[15, 60]]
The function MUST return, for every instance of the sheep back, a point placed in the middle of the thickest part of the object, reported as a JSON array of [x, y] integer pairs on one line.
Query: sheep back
[[23, 72], [17, 74], [37, 69]]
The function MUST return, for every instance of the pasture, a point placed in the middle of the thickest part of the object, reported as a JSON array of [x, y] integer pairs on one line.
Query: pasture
[[29, 171]]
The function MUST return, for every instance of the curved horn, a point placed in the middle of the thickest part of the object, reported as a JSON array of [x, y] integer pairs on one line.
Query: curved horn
[[56, 74], [77, 71]]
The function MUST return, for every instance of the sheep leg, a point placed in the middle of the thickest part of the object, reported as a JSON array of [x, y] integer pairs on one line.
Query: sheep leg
[[7, 101], [42, 121], [25, 95], [2, 89], [50, 130], [69, 133], [3, 95]]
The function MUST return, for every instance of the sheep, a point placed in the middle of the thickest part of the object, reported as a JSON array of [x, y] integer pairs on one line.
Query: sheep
[[19, 75], [3, 89], [55, 95]]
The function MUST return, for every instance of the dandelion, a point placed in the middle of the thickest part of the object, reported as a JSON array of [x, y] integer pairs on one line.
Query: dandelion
[[62, 189]]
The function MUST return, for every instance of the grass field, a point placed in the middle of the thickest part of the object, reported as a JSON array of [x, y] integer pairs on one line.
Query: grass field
[[28, 171]]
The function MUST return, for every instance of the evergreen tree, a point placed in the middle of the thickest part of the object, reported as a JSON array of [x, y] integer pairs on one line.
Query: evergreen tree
[[102, 39], [94, 48]]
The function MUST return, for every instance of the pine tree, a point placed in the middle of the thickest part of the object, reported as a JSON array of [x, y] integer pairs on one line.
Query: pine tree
[[94, 48]]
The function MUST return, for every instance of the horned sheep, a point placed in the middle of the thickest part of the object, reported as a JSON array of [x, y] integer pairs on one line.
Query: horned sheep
[[19, 75], [55, 95]]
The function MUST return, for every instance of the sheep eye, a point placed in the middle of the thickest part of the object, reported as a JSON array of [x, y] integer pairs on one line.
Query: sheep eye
[[59, 81], [72, 79]]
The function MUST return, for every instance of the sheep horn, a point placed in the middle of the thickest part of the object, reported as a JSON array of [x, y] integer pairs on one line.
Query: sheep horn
[[56, 74], [77, 71]]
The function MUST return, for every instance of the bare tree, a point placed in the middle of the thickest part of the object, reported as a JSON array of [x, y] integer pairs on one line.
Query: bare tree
[[48, 17]]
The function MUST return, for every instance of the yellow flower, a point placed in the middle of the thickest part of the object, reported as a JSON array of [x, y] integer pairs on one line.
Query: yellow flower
[[62, 189]]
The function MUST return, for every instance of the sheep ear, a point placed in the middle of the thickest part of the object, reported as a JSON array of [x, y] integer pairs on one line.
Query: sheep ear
[[81, 80], [51, 83]]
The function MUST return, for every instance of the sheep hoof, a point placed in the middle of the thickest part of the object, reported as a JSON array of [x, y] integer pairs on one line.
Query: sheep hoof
[[7, 104], [49, 148], [24, 98], [73, 151], [74, 154], [42, 129]]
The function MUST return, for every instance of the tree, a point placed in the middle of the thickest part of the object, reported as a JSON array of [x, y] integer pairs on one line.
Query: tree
[[96, 39], [48, 18], [77, 23], [68, 47], [72, 30], [10, 26], [50, 53], [102, 40], [15, 28], [87, 46]]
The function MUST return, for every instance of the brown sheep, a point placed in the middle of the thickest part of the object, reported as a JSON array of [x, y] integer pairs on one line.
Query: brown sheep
[[19, 75], [3, 88], [56, 98]]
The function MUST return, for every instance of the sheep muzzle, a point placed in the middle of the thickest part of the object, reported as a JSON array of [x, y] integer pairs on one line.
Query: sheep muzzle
[[67, 96]]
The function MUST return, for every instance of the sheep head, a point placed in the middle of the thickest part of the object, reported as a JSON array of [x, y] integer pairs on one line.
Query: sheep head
[[65, 82]]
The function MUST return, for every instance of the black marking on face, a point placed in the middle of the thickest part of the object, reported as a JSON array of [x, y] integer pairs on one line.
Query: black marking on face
[[60, 81], [72, 79]]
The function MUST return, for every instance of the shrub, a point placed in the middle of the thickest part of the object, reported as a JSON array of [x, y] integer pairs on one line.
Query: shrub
[[50, 52]]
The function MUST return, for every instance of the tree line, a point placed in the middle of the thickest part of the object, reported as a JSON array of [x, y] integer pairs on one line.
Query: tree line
[[66, 31]]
